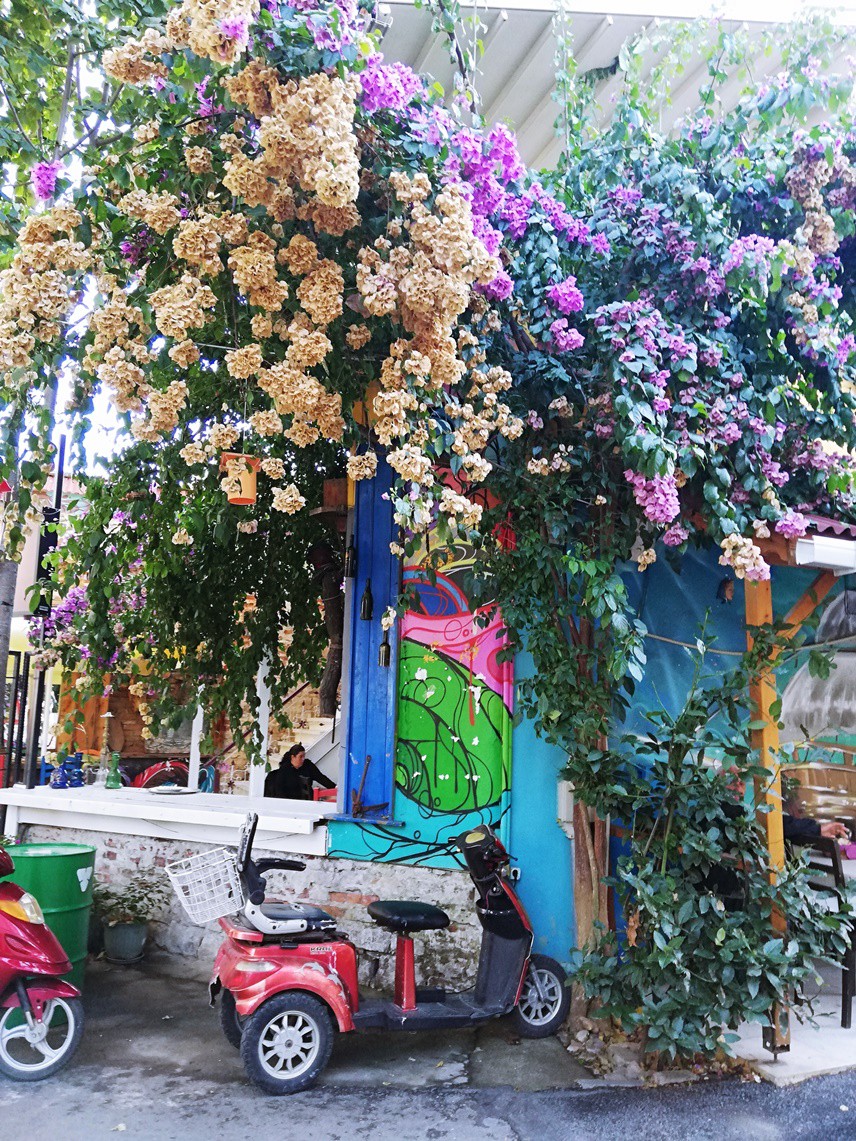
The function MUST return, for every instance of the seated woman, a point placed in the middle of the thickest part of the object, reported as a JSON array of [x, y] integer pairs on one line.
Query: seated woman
[[294, 778]]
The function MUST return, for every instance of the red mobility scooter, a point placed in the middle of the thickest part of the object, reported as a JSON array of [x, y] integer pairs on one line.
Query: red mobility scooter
[[41, 1016], [289, 978]]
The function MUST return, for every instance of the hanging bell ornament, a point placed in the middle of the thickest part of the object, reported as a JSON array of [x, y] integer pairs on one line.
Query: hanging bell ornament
[[350, 568], [384, 654], [367, 602]]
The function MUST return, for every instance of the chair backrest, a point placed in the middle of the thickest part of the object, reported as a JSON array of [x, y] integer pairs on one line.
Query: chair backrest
[[826, 859]]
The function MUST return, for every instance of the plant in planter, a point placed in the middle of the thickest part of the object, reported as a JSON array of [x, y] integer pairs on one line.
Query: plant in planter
[[125, 911]]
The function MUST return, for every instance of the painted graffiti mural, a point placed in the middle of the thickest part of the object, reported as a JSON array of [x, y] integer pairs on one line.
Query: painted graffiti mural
[[454, 723]]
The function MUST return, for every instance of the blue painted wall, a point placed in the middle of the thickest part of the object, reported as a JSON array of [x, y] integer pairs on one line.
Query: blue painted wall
[[542, 850]]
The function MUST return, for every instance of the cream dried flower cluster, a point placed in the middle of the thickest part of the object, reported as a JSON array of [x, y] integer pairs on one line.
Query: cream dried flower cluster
[[136, 62], [362, 466], [198, 159], [163, 409], [744, 557], [251, 247], [118, 351], [306, 139], [158, 211], [245, 362], [288, 499], [199, 24], [36, 291], [424, 281], [182, 306]]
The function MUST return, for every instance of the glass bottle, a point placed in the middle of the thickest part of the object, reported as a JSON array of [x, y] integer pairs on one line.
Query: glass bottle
[[114, 777]]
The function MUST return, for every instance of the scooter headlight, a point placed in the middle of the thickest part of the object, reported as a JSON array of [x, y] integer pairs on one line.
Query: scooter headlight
[[26, 908]]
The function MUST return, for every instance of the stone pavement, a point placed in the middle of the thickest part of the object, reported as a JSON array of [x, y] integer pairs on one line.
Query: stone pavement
[[154, 1066]]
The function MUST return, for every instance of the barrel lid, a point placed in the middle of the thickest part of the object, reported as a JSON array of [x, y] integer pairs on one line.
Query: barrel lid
[[16, 850]]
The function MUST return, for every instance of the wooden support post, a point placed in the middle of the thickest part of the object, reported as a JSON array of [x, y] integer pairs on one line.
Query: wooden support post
[[762, 694]]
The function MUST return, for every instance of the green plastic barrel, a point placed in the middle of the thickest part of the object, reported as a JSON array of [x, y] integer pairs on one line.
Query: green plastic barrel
[[61, 877]]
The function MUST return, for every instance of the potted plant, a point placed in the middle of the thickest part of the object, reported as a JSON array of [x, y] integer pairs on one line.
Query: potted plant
[[125, 911]]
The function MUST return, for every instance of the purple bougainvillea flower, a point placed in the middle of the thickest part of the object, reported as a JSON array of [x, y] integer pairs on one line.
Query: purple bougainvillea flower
[[388, 87], [566, 340], [234, 28], [566, 296], [43, 178]]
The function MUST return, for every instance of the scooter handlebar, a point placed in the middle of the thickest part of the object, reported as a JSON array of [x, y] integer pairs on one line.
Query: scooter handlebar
[[271, 865]]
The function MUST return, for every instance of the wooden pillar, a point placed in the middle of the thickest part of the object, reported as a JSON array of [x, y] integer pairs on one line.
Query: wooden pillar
[[768, 790], [762, 693]]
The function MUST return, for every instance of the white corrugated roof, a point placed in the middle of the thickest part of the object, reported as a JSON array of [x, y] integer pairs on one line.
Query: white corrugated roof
[[516, 83]]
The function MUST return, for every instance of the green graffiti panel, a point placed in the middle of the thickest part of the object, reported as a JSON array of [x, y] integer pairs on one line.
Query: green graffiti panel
[[450, 755]]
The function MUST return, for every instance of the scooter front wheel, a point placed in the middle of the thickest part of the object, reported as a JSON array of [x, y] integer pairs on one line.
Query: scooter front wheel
[[545, 999], [287, 1042], [31, 1052]]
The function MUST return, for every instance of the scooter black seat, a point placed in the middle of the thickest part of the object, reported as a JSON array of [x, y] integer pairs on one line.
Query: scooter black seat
[[314, 918], [407, 915]]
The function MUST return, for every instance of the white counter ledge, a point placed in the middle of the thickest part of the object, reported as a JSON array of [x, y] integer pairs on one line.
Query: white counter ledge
[[201, 817]]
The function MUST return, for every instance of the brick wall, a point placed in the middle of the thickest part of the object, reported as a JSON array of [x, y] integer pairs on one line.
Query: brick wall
[[341, 887]]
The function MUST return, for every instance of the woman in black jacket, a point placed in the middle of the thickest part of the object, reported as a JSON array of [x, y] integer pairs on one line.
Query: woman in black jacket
[[294, 778]]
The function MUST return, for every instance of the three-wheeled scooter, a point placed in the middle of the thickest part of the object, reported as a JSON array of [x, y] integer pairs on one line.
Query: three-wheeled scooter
[[289, 978]]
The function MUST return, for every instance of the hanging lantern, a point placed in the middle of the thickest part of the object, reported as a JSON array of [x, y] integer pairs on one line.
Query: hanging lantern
[[384, 653], [505, 535], [246, 466], [367, 603]]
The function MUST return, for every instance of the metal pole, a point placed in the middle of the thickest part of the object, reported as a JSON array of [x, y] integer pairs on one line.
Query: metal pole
[[23, 691], [60, 465], [10, 713], [36, 732], [46, 545]]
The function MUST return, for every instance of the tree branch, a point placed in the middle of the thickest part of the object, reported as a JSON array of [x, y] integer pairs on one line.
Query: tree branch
[[15, 115], [66, 99]]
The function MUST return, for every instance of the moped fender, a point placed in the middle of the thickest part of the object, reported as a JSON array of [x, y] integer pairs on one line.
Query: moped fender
[[42, 992], [311, 977]]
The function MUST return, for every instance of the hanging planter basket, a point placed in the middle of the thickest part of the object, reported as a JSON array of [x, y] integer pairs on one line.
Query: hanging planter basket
[[247, 476]]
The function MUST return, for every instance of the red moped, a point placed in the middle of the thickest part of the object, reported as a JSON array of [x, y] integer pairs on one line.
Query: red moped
[[41, 1016], [289, 978]]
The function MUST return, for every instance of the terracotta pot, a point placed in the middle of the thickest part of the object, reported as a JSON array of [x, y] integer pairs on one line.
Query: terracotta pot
[[248, 477]]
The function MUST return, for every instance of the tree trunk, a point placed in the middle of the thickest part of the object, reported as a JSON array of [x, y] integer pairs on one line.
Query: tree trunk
[[591, 864]]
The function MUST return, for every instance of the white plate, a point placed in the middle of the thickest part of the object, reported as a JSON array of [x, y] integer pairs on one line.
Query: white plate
[[172, 790]]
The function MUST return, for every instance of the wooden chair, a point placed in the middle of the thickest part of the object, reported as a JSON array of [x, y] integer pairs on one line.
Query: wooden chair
[[827, 791], [831, 882]]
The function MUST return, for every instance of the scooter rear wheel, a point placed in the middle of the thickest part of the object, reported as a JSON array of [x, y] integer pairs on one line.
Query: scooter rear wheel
[[287, 1042], [230, 1023], [29, 1054], [545, 999]]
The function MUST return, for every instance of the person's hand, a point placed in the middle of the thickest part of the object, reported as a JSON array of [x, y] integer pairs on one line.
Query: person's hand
[[834, 830]]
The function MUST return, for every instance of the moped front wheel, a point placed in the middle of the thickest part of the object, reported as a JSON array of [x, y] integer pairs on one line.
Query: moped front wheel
[[287, 1042], [545, 999], [30, 1052], [230, 1022]]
